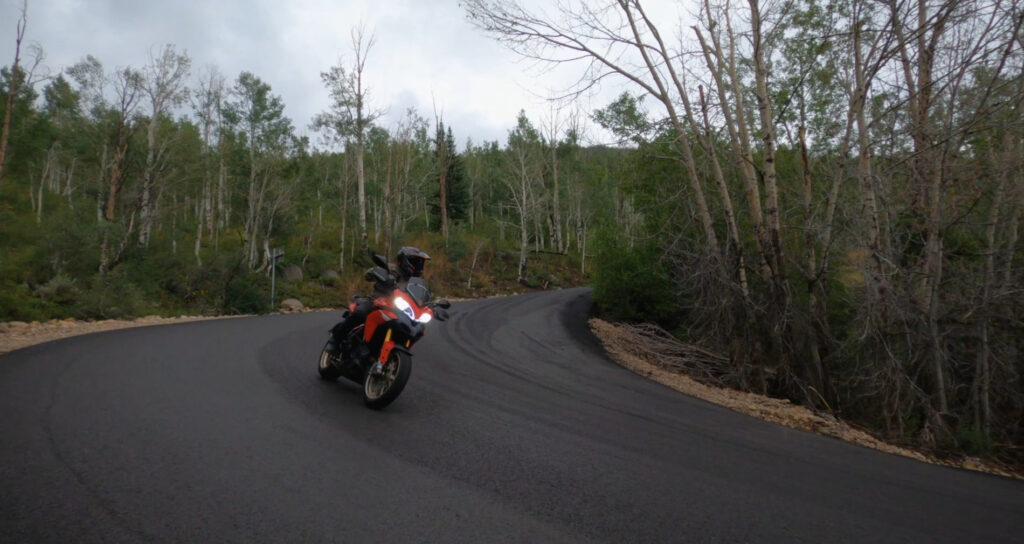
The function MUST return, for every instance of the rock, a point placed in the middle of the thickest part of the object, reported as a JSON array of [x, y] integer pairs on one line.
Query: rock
[[330, 278], [292, 273], [291, 305]]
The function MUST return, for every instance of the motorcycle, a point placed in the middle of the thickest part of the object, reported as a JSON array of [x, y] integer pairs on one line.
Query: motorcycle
[[394, 324]]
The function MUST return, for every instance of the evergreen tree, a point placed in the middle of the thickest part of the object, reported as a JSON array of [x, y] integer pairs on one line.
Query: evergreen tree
[[448, 161]]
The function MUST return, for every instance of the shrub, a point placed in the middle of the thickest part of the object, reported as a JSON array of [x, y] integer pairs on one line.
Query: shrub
[[60, 292], [245, 294], [18, 304], [113, 296], [632, 284]]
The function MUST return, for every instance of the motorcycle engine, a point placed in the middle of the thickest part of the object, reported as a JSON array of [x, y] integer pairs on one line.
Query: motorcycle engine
[[361, 353]]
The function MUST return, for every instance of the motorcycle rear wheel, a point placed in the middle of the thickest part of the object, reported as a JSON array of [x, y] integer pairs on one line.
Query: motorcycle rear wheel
[[328, 371], [380, 391]]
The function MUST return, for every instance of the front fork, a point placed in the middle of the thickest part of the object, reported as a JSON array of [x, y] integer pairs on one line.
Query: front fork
[[387, 346]]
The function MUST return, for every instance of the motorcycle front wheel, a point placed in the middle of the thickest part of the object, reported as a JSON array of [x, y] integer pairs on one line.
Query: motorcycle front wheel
[[380, 391], [327, 369]]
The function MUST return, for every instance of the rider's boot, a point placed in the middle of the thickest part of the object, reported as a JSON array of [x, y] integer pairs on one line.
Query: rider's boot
[[346, 348], [333, 346]]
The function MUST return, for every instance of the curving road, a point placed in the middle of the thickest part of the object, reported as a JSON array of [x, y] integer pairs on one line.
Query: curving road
[[514, 428]]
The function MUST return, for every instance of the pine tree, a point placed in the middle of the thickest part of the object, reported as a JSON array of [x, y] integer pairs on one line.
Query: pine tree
[[450, 173]]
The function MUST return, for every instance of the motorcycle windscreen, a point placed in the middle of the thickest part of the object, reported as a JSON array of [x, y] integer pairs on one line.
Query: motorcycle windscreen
[[418, 290]]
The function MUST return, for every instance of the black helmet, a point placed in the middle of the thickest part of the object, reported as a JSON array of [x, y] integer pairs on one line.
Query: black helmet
[[411, 261]]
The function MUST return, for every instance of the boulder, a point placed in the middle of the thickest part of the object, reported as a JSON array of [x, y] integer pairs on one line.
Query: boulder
[[292, 273], [330, 278], [291, 305]]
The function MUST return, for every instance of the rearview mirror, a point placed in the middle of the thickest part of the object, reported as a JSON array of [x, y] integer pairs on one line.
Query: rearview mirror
[[443, 304], [380, 275], [380, 261]]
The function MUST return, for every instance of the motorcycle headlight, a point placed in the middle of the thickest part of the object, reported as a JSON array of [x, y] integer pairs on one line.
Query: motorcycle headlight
[[403, 306], [425, 318]]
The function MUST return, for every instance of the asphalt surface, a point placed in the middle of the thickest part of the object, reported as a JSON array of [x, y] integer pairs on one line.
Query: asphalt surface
[[514, 427]]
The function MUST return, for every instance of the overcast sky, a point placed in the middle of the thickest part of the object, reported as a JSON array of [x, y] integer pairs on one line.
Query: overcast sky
[[425, 52]]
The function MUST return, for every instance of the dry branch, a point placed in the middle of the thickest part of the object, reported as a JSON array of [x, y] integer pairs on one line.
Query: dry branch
[[657, 346]]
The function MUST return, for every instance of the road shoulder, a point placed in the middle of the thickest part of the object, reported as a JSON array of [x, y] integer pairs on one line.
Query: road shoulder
[[624, 348]]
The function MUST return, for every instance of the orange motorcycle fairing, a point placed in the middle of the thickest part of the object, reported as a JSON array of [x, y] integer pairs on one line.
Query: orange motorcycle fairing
[[376, 317]]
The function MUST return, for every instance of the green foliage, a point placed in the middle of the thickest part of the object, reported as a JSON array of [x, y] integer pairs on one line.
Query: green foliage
[[29, 134], [258, 114], [18, 303], [113, 296], [246, 294], [456, 192], [626, 119], [973, 441], [632, 284], [348, 115], [61, 291], [84, 141]]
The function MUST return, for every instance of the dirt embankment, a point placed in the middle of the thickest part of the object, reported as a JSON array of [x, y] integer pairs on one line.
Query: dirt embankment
[[627, 349]]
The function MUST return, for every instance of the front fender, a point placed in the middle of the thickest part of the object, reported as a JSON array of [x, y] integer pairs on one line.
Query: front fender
[[390, 345], [397, 334], [403, 349]]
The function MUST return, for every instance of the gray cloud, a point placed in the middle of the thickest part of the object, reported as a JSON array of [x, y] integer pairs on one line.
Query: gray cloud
[[425, 52]]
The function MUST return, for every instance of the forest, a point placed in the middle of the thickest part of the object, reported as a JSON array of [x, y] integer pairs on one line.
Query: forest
[[158, 190], [825, 193]]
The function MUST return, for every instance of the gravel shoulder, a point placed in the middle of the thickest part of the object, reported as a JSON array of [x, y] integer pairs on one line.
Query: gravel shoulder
[[15, 335], [626, 349]]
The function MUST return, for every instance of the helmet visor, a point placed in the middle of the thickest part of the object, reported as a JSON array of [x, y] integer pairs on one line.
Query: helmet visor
[[416, 265]]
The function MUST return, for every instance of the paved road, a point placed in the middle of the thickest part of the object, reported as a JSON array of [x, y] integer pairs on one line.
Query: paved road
[[514, 428]]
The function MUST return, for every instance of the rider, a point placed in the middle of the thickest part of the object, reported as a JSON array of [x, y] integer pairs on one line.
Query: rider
[[410, 262]]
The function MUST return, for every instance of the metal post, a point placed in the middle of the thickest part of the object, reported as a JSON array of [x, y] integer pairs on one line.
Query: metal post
[[275, 254]]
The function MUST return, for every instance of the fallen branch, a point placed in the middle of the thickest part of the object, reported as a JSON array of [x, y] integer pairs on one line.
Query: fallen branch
[[656, 346]]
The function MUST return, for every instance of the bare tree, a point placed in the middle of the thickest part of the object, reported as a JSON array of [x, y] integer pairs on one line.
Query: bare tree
[[616, 39], [350, 115], [722, 66], [17, 72], [164, 85], [401, 159], [525, 158], [552, 127], [443, 163], [208, 105], [12, 92], [941, 50], [259, 115], [127, 87]]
